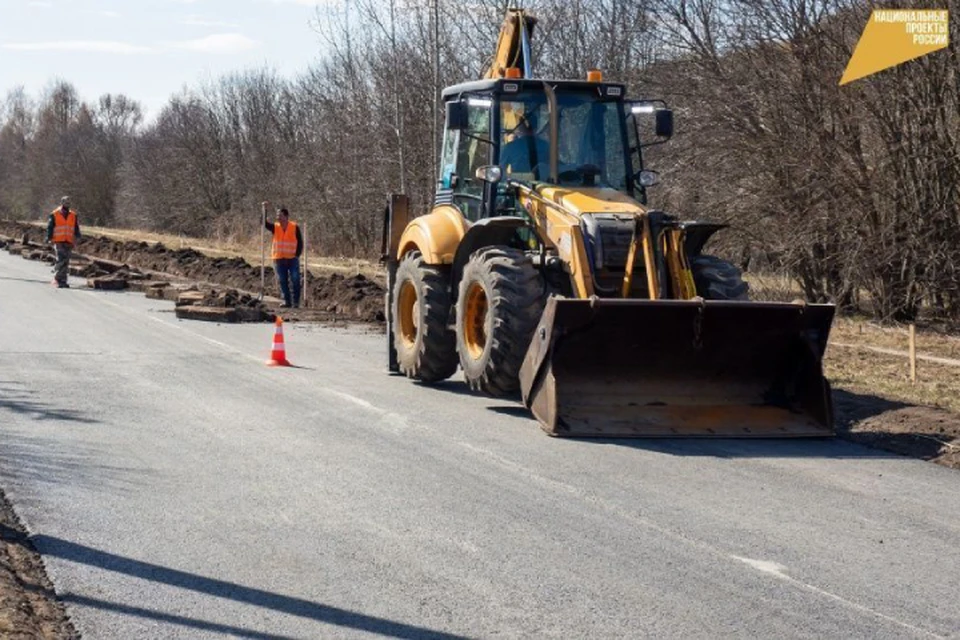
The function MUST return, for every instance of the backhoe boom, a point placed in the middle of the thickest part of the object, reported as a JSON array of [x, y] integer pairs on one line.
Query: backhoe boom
[[513, 45]]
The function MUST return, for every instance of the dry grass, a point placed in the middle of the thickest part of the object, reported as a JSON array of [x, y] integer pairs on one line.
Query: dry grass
[[863, 371], [772, 287], [864, 332]]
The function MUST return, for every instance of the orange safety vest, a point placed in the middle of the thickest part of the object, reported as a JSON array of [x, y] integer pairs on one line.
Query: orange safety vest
[[64, 226], [284, 242]]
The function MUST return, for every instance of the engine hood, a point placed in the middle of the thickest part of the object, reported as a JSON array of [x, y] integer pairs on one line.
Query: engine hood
[[579, 201]]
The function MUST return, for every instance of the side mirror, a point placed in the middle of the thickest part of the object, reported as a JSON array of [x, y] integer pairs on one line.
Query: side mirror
[[490, 173], [456, 115], [664, 123]]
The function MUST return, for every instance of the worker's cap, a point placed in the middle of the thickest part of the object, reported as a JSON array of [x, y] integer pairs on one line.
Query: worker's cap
[[283, 210], [65, 200]]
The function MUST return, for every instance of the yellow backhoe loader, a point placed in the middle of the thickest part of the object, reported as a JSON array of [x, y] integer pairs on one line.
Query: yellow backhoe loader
[[541, 268]]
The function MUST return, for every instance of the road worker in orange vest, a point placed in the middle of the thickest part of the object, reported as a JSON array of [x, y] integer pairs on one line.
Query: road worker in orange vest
[[63, 230], [287, 248]]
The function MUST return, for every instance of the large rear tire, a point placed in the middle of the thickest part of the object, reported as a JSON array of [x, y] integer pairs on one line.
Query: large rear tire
[[425, 344], [500, 300], [717, 279]]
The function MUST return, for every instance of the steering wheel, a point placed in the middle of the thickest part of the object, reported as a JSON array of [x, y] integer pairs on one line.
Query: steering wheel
[[521, 122], [582, 173]]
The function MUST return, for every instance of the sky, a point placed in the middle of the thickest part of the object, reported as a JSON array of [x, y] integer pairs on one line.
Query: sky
[[149, 49]]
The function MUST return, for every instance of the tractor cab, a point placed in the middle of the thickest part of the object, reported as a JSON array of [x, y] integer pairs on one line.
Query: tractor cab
[[571, 134]]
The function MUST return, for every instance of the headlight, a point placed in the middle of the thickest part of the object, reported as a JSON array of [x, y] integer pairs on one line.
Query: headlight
[[489, 173], [648, 178]]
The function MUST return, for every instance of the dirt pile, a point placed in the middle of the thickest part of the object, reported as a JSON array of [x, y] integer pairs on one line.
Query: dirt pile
[[229, 298], [352, 296], [28, 604], [336, 297], [227, 305], [917, 431]]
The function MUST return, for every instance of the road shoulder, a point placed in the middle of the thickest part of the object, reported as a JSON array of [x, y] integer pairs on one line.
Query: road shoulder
[[28, 604]]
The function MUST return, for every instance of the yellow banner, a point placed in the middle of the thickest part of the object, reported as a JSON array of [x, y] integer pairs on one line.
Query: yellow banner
[[893, 36]]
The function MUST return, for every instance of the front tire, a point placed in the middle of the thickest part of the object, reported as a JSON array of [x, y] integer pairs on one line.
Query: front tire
[[500, 300], [717, 279], [425, 344]]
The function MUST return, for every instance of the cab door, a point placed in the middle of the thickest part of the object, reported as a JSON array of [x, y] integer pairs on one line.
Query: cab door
[[466, 148]]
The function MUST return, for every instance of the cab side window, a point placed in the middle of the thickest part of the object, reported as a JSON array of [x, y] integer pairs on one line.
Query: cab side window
[[636, 160], [473, 152], [448, 159]]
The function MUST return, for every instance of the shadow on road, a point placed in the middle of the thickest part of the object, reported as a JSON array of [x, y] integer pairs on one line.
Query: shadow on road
[[452, 386], [25, 280], [851, 409], [298, 366], [913, 430], [49, 463], [39, 455], [74, 552], [824, 448], [854, 407], [19, 401], [514, 411], [169, 618]]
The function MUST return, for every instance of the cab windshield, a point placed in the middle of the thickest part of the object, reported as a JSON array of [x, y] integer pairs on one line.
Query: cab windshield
[[590, 137]]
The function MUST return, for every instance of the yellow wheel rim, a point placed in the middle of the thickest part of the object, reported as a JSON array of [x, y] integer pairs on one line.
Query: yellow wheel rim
[[407, 312], [475, 320]]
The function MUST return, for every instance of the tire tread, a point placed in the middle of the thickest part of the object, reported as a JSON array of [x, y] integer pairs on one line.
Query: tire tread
[[517, 303], [436, 360]]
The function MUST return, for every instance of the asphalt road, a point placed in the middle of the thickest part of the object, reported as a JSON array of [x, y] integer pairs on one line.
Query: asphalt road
[[179, 488]]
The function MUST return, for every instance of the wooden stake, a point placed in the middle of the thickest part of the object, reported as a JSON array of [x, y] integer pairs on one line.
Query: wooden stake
[[263, 260], [303, 285], [913, 353]]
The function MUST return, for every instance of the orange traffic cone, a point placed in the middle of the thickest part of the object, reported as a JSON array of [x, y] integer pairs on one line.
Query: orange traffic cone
[[278, 356]]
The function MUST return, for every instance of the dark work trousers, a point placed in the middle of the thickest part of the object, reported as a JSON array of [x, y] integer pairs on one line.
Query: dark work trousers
[[64, 250], [288, 274]]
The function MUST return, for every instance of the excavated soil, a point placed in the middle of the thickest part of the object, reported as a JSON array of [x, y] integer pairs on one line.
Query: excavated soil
[[921, 432], [28, 605], [349, 298], [335, 297]]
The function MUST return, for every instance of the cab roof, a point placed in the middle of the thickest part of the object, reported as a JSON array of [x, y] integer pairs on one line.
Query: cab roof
[[510, 86]]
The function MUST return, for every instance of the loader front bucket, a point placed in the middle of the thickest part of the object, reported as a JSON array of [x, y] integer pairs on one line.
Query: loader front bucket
[[679, 368]]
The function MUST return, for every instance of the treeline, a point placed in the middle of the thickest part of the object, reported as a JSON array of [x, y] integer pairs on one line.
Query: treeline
[[852, 191]]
